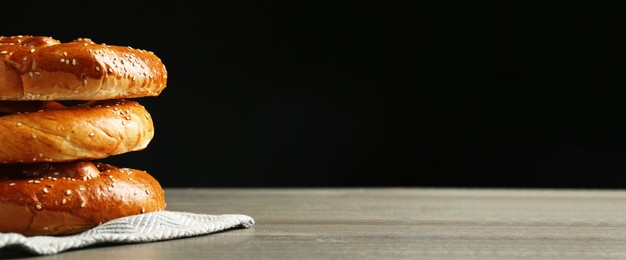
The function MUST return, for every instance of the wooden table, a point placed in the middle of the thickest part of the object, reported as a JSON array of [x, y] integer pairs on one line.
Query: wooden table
[[392, 223]]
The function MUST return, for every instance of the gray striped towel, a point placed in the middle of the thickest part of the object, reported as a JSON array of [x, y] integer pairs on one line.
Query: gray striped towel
[[149, 227]]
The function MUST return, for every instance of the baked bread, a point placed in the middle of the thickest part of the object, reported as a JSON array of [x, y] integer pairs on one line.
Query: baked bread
[[63, 105], [68, 198], [47, 131], [43, 68]]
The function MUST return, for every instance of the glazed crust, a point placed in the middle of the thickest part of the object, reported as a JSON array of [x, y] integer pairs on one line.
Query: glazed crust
[[68, 198], [62, 105], [47, 131], [43, 68]]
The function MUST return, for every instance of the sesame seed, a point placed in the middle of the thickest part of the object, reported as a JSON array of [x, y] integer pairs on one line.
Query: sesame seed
[[92, 134], [30, 181], [97, 68], [3, 52], [12, 184], [55, 173], [63, 201], [84, 81], [32, 50], [33, 136], [143, 210], [19, 123], [73, 61], [38, 206], [82, 188], [68, 192], [62, 60], [36, 181], [82, 205], [45, 190]]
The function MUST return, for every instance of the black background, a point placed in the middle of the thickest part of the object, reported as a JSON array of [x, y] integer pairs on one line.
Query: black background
[[371, 94]]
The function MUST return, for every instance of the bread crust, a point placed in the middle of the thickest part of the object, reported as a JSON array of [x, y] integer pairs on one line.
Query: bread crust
[[47, 131], [48, 185], [43, 68], [68, 198]]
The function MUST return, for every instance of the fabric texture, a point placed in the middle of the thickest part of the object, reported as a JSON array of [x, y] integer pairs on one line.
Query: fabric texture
[[149, 227]]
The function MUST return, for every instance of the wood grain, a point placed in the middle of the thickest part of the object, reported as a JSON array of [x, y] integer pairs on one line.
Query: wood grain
[[393, 223]]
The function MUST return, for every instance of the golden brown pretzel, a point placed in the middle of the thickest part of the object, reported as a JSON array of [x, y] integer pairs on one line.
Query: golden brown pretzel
[[48, 186], [43, 68], [47, 131], [67, 198]]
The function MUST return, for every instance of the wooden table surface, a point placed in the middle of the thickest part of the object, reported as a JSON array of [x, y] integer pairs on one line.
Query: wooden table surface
[[392, 223]]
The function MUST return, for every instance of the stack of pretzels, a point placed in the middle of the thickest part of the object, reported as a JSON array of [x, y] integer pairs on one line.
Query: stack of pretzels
[[64, 106]]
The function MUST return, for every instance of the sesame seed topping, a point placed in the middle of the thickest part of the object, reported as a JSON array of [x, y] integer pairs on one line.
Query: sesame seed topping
[[3, 52], [82, 205], [91, 134], [45, 190], [18, 123], [63, 201], [36, 181], [73, 61], [143, 210], [38, 206], [33, 136], [68, 192], [12, 184], [82, 188], [62, 60]]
